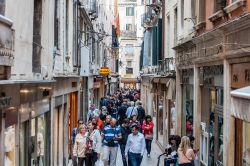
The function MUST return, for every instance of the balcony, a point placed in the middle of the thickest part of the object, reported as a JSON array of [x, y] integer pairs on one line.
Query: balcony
[[6, 47], [166, 66], [128, 34]]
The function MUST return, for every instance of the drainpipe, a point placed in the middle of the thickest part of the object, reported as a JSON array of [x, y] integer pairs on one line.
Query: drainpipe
[[2, 7]]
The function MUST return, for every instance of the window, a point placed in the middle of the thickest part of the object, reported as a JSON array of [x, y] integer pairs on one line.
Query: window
[[37, 30], [175, 26], [2, 7], [56, 25], [182, 14], [129, 50], [128, 27], [201, 11], [130, 11], [129, 63], [219, 5], [129, 70]]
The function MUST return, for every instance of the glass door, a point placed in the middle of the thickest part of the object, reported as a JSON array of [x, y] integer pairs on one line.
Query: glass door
[[39, 141], [216, 126]]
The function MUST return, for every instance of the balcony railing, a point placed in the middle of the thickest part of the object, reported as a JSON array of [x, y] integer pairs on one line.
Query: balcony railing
[[6, 42], [166, 66], [128, 34]]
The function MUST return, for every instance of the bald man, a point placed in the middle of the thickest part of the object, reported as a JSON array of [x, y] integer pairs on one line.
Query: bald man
[[112, 135]]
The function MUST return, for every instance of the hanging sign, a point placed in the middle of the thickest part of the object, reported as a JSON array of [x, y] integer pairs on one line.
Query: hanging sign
[[104, 71]]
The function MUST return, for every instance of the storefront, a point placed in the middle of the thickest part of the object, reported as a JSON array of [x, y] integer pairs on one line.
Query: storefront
[[163, 102], [35, 124], [187, 81], [25, 123], [240, 110], [129, 83], [8, 132], [211, 145]]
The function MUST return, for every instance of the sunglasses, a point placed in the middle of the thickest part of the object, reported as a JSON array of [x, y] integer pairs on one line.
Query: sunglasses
[[80, 122]]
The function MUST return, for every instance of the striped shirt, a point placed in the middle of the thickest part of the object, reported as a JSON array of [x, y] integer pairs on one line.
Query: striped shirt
[[109, 134]]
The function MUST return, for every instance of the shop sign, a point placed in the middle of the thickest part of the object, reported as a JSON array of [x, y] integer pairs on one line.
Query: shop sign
[[97, 84], [104, 71], [240, 75], [186, 74], [208, 73], [5, 102]]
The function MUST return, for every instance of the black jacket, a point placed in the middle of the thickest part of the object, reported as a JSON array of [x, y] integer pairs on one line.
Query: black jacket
[[125, 132], [141, 114]]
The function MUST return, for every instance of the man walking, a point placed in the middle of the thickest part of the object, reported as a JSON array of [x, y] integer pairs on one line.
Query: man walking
[[112, 135], [141, 112], [135, 147], [132, 110], [125, 131], [75, 131], [92, 111], [122, 112]]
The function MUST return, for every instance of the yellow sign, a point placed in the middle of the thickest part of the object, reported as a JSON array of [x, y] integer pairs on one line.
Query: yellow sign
[[104, 71]]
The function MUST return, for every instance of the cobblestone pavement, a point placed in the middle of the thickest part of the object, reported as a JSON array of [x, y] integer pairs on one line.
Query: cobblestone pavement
[[152, 161]]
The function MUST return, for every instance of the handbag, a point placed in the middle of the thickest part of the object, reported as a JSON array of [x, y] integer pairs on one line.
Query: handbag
[[99, 163], [148, 136], [89, 145]]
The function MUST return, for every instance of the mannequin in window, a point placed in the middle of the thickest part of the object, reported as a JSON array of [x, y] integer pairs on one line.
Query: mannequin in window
[[9, 143], [40, 149]]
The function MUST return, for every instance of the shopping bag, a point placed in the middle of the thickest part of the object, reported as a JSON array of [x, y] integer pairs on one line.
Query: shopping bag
[[99, 163], [196, 161]]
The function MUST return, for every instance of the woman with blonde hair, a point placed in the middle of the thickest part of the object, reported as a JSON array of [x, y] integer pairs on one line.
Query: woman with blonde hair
[[185, 152], [80, 145]]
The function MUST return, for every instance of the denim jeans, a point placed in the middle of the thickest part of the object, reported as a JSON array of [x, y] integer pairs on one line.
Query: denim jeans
[[148, 145], [124, 160], [134, 159]]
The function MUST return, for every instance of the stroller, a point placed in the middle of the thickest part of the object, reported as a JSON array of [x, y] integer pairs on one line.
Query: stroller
[[170, 151]]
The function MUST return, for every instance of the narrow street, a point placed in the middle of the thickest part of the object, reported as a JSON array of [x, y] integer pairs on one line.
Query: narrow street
[[81, 78]]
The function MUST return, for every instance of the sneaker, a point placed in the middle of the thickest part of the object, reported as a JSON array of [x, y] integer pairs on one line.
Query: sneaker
[[148, 155]]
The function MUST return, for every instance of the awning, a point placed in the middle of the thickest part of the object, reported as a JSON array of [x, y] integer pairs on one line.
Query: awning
[[241, 103], [129, 80]]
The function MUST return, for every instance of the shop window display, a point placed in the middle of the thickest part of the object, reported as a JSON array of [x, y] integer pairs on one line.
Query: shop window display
[[9, 146], [216, 126], [187, 114], [37, 139], [160, 119], [246, 144]]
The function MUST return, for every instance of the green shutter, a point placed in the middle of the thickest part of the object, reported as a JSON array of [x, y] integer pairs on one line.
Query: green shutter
[[154, 47]]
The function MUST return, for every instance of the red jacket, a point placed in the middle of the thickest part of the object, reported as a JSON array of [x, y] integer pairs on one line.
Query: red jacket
[[147, 128]]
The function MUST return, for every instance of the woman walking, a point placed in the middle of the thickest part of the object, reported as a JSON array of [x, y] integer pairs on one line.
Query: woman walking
[[94, 142], [147, 129], [185, 152], [79, 148]]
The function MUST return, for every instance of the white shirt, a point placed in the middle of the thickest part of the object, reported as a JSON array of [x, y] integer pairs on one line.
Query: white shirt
[[135, 144]]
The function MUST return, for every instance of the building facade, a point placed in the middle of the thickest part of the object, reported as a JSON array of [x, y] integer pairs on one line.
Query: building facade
[[157, 65], [211, 62], [130, 39], [50, 57]]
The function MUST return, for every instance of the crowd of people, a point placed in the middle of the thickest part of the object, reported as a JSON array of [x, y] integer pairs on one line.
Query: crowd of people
[[120, 122]]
